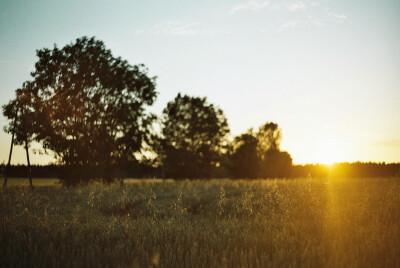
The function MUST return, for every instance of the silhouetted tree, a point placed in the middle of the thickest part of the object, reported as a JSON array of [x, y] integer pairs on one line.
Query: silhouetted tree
[[86, 106], [245, 162], [21, 126], [269, 137], [257, 154], [194, 133], [275, 164]]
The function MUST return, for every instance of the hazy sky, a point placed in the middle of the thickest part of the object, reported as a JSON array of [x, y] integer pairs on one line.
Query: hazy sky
[[328, 72]]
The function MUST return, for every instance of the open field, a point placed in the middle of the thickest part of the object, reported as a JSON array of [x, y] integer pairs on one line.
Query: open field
[[216, 223]]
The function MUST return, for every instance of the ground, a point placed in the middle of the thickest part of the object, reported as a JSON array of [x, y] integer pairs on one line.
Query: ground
[[215, 223]]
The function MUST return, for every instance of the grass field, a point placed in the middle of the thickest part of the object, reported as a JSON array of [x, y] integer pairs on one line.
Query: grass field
[[216, 223]]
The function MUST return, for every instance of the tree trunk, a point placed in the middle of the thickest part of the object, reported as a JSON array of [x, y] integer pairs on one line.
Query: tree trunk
[[11, 148], [29, 163]]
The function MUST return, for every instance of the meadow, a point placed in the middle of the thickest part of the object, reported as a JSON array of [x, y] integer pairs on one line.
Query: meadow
[[215, 223]]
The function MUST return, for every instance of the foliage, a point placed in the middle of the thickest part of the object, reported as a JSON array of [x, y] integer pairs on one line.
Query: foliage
[[276, 164], [86, 106], [245, 159], [194, 133], [20, 111], [217, 223], [269, 137], [257, 154]]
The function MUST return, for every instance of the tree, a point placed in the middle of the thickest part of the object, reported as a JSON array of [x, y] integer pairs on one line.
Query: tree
[[194, 134], [21, 126], [257, 154], [244, 160], [269, 137], [86, 106], [273, 162], [276, 164]]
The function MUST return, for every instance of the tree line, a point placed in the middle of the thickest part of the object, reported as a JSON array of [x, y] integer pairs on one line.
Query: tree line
[[143, 170], [88, 108]]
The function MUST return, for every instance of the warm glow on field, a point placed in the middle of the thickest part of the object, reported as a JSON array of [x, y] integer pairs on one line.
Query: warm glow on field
[[308, 222]]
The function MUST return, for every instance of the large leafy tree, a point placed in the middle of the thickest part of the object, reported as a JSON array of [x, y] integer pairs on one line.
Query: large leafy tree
[[194, 135], [86, 106]]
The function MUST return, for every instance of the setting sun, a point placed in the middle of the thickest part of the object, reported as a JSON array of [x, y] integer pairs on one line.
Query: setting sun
[[329, 151]]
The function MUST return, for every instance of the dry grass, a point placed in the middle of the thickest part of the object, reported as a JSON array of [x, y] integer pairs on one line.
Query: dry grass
[[217, 223]]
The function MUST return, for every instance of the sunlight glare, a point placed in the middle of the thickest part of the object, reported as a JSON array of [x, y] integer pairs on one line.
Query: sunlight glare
[[329, 151]]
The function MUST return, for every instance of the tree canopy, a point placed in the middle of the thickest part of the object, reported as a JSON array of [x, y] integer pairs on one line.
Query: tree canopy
[[85, 105], [194, 134], [245, 157], [88, 108], [257, 154]]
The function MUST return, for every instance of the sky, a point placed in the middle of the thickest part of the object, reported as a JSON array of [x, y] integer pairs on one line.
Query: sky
[[328, 72]]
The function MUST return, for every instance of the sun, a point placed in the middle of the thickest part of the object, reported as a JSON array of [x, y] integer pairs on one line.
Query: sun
[[329, 151], [328, 160]]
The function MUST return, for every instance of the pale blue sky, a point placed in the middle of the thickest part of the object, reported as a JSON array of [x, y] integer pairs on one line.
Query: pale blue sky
[[328, 72]]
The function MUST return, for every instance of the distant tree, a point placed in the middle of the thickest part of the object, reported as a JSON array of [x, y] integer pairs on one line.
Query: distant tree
[[21, 127], [86, 106], [275, 164], [245, 162], [269, 137], [20, 109], [257, 154], [194, 133]]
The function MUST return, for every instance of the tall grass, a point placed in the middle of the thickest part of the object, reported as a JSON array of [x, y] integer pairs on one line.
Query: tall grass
[[217, 223]]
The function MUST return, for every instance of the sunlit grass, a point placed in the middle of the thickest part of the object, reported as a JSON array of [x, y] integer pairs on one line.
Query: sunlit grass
[[36, 182], [260, 223]]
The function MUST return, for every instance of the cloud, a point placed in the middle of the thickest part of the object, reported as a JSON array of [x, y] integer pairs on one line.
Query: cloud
[[341, 17], [260, 4], [300, 23], [297, 5], [250, 5], [338, 17], [290, 24], [313, 22]]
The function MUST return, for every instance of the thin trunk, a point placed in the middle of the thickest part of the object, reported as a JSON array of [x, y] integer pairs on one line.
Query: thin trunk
[[27, 151], [11, 148], [29, 163]]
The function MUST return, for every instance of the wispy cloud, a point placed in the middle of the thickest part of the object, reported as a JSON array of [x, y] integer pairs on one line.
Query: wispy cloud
[[299, 5], [256, 5], [338, 17], [250, 5], [296, 5], [309, 22], [290, 24]]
